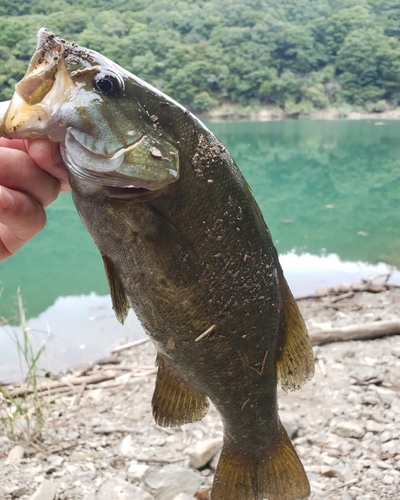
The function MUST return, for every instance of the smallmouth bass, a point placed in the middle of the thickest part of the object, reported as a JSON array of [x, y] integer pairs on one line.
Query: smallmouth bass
[[185, 245]]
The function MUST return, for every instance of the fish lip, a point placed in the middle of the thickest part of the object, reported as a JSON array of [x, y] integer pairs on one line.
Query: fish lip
[[108, 179], [80, 135]]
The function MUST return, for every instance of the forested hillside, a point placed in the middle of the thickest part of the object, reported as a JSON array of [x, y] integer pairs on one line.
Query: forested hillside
[[292, 54]]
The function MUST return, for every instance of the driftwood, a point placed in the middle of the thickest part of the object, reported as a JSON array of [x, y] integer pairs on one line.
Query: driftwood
[[347, 290], [64, 382], [367, 286], [364, 331], [130, 345]]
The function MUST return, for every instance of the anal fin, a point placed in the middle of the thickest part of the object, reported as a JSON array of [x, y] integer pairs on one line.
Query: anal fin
[[295, 364], [272, 474], [174, 402], [118, 296]]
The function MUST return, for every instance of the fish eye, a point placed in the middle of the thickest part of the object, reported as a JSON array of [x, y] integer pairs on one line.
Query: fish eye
[[107, 84]]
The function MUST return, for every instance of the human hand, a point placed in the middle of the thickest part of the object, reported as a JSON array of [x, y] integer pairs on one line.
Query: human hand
[[32, 175]]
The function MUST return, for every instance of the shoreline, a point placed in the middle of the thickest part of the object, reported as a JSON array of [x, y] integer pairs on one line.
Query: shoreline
[[98, 438], [227, 113]]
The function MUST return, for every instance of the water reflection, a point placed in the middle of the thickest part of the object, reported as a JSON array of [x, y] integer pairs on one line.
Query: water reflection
[[307, 273], [337, 182], [75, 330]]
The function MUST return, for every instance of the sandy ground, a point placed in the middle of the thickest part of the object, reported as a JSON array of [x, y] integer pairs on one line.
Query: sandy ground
[[99, 441]]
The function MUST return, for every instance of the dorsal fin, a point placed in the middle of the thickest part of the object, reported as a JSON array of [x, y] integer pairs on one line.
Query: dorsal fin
[[295, 364], [118, 296]]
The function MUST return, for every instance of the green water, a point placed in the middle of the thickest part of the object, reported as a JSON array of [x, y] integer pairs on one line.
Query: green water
[[319, 184]]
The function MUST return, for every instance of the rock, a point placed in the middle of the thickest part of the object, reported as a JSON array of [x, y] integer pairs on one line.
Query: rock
[[91, 495], [55, 460], [290, 422], [16, 454], [118, 489], [347, 429], [183, 496], [388, 479], [46, 491], [373, 426], [363, 373], [392, 447], [16, 492], [125, 447], [215, 460], [118, 463], [385, 437], [4, 442], [168, 483], [201, 453], [136, 472]]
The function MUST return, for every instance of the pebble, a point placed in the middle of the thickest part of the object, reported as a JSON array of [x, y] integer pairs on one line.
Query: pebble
[[214, 461], [46, 491], [290, 422], [373, 426], [391, 447], [15, 492], [136, 471], [347, 429], [202, 452], [125, 447], [55, 460], [118, 489], [166, 483], [16, 454], [385, 437], [364, 373]]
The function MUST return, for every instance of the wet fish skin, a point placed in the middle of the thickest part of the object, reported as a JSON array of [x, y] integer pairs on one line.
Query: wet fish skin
[[195, 260]]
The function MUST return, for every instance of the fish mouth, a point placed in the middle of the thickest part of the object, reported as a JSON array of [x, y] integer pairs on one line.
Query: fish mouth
[[127, 192], [118, 171]]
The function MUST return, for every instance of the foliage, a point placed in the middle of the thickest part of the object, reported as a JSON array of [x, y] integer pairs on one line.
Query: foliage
[[295, 54], [23, 415]]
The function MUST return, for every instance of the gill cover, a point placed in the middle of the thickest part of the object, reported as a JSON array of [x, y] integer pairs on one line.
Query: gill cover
[[80, 99]]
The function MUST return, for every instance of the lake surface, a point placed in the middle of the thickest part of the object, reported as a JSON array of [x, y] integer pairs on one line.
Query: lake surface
[[329, 192]]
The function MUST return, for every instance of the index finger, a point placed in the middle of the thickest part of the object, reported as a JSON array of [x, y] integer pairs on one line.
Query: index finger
[[47, 156]]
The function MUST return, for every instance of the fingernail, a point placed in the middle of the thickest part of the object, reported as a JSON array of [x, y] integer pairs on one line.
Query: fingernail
[[6, 198]]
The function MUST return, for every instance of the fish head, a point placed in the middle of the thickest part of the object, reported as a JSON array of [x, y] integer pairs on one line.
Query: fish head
[[90, 105]]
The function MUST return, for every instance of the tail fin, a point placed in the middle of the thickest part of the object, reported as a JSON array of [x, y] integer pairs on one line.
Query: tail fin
[[275, 474]]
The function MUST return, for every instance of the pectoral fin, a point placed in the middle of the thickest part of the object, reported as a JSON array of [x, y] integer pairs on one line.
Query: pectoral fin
[[174, 402], [118, 296], [295, 364]]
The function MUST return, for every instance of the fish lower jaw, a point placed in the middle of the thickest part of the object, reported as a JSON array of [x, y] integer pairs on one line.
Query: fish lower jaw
[[114, 185]]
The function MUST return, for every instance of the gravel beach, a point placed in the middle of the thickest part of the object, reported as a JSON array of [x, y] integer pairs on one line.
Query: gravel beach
[[99, 441]]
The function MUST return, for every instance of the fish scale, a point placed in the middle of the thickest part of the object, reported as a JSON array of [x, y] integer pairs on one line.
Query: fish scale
[[188, 250]]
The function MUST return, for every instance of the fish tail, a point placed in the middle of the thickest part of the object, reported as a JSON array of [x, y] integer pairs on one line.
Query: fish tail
[[274, 474]]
